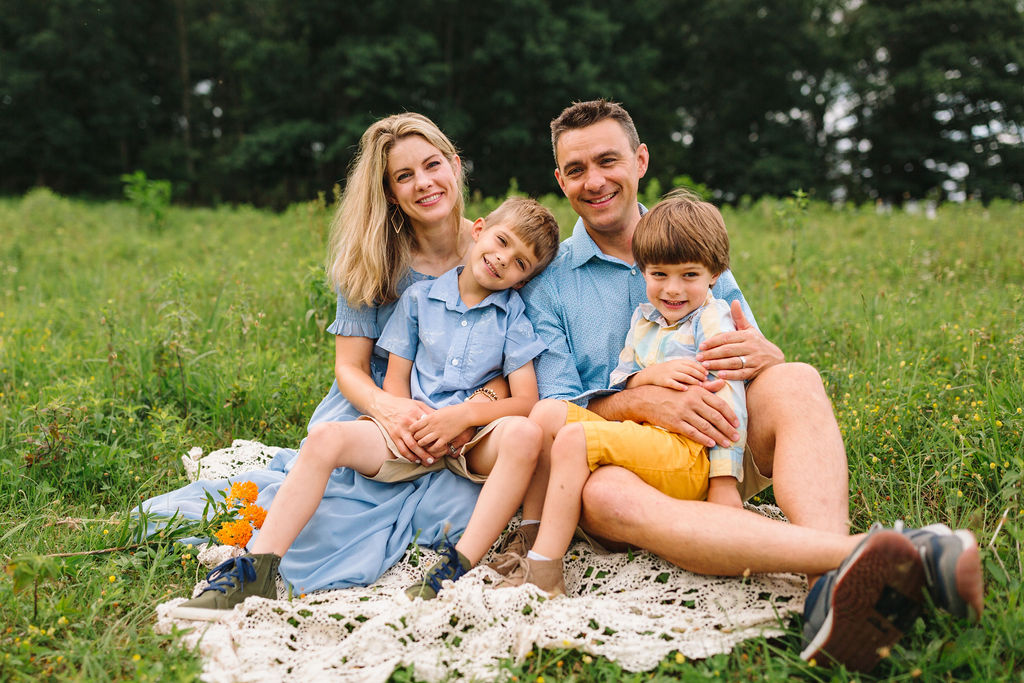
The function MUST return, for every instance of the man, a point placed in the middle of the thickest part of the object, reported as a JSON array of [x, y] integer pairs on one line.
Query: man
[[581, 307]]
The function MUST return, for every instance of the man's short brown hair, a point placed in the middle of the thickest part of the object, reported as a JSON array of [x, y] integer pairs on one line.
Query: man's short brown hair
[[532, 222], [583, 114], [682, 229]]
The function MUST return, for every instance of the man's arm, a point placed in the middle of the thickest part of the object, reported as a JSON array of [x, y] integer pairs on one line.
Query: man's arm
[[557, 374], [696, 413]]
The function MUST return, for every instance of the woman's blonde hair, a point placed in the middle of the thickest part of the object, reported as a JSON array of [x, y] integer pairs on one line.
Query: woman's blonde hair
[[371, 241]]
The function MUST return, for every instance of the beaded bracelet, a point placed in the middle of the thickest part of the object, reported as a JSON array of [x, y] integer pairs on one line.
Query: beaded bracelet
[[486, 392]]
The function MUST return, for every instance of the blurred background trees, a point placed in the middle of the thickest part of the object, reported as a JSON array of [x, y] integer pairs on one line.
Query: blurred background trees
[[263, 101]]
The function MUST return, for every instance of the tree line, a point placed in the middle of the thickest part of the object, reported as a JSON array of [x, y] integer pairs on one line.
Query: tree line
[[263, 101]]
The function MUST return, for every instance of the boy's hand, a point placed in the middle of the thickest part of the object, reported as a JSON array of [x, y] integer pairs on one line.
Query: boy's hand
[[435, 431], [672, 374]]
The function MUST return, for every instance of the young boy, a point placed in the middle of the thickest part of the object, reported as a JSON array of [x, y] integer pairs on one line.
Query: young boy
[[682, 247], [446, 338]]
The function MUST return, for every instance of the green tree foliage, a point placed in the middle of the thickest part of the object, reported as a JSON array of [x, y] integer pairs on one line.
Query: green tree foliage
[[263, 101], [936, 98]]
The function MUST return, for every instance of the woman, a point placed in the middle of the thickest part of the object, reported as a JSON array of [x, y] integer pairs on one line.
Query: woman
[[399, 221]]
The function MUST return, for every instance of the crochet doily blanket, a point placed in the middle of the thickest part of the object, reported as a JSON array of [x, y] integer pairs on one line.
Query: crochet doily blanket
[[631, 608]]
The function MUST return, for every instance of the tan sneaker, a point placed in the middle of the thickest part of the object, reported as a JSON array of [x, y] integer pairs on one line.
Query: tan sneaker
[[544, 574], [516, 545]]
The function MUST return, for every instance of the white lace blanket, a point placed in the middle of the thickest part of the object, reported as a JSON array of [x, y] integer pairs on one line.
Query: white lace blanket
[[633, 609]]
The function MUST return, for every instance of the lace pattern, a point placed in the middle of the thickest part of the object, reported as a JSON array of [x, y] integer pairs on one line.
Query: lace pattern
[[631, 608]]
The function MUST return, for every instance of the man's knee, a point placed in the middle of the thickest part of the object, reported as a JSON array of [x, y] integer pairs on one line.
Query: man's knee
[[606, 500]]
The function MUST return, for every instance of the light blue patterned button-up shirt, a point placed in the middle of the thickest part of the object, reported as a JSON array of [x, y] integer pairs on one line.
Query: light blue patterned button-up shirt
[[652, 340], [581, 306], [456, 349]]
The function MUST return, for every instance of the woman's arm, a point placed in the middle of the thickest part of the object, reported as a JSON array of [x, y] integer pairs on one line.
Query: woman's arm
[[352, 370]]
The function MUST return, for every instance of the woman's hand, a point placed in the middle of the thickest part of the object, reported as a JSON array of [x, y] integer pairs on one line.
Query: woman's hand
[[435, 431], [398, 415], [739, 355], [672, 374]]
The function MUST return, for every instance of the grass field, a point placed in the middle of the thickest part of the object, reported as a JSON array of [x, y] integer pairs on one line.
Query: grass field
[[126, 337]]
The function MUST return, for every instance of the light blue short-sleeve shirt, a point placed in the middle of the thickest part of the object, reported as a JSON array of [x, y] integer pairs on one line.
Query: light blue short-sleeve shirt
[[456, 349], [581, 307]]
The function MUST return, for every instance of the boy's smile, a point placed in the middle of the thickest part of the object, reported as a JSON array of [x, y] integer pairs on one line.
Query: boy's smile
[[678, 289], [499, 259]]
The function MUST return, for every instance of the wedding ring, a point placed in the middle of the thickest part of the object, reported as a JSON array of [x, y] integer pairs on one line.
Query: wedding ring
[[452, 449], [743, 362]]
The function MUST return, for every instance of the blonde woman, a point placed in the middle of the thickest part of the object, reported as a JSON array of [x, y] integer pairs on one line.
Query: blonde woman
[[400, 221]]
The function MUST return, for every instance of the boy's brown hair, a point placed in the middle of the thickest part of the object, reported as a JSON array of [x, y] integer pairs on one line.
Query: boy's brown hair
[[682, 229], [531, 222], [583, 114]]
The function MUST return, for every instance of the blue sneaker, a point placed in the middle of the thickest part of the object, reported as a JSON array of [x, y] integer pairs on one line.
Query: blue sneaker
[[452, 566], [855, 613], [952, 567], [230, 583]]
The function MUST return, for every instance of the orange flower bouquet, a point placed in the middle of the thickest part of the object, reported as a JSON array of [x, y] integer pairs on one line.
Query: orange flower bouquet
[[240, 514]]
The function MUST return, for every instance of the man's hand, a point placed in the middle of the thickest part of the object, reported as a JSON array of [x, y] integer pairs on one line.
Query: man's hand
[[696, 413], [739, 355]]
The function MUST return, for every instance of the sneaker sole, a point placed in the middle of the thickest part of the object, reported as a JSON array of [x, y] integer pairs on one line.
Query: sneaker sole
[[969, 585], [876, 598], [199, 613]]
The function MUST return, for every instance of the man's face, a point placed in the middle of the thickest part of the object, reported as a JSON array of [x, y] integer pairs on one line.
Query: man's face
[[599, 173]]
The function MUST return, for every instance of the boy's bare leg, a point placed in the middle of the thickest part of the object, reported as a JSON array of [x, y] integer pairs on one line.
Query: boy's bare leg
[[795, 440], [569, 473], [549, 415], [507, 456], [358, 444], [703, 537]]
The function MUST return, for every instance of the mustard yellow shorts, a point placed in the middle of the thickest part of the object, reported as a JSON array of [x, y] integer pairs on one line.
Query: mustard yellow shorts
[[398, 469], [674, 464]]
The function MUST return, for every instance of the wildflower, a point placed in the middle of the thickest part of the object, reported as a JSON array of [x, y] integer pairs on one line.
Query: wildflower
[[105, 532], [680, 658], [136, 658], [235, 533], [111, 578], [254, 515], [243, 492]]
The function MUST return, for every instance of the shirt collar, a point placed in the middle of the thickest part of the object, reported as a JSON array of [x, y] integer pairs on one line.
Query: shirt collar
[[584, 248], [649, 312], [446, 289]]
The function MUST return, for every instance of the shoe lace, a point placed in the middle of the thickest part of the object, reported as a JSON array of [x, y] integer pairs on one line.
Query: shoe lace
[[231, 573], [448, 569]]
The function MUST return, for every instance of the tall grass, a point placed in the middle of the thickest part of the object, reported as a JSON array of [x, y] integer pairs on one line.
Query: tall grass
[[122, 346]]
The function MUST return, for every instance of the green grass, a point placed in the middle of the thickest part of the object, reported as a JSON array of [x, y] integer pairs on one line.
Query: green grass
[[124, 342]]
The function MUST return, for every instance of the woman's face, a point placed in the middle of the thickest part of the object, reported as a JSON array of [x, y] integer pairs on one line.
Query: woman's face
[[422, 181]]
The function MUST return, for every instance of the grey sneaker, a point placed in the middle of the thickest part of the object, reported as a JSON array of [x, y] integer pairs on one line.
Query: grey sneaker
[[231, 582], [855, 613], [952, 567], [516, 545], [452, 566]]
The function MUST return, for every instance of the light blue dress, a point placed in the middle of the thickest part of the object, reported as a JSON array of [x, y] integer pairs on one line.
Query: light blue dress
[[361, 527]]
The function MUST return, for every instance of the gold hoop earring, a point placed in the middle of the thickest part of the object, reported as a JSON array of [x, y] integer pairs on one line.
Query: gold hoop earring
[[394, 219]]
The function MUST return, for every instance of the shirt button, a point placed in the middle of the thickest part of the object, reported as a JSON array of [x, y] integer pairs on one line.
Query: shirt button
[[464, 323], [455, 361], [633, 272]]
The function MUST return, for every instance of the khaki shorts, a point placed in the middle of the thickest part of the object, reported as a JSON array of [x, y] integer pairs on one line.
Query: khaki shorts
[[674, 464], [398, 469]]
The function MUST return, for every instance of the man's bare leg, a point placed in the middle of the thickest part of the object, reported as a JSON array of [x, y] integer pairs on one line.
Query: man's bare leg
[[795, 440], [703, 537]]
